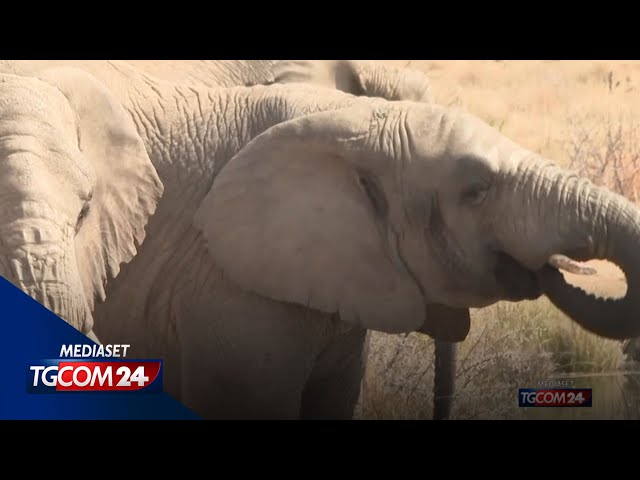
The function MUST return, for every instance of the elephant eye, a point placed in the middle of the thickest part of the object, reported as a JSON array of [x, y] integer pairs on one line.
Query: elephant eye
[[475, 194], [476, 175]]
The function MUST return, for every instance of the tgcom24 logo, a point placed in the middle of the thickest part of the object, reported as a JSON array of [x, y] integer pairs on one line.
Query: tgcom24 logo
[[94, 368], [554, 397]]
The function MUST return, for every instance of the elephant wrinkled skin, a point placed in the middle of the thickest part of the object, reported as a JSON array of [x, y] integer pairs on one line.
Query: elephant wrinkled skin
[[280, 223]]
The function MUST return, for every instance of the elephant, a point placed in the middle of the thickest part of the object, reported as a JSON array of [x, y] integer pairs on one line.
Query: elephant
[[364, 79], [358, 78], [281, 223], [355, 77]]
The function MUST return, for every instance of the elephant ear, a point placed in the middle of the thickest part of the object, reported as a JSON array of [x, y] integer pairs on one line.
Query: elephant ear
[[359, 78], [446, 323], [287, 218], [127, 188]]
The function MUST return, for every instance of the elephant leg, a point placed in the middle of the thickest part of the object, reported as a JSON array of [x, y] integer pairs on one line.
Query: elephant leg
[[445, 379], [333, 388], [246, 357]]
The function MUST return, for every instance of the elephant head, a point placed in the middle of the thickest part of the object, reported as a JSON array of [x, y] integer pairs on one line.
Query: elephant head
[[77, 188], [379, 209], [357, 78]]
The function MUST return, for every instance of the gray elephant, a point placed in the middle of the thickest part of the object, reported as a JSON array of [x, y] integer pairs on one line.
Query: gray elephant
[[360, 78], [288, 220]]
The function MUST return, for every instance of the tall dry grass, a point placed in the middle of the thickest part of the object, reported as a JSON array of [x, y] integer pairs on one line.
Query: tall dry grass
[[583, 115], [531, 100]]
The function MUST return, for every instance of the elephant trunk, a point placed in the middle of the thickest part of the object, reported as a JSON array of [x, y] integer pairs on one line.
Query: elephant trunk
[[586, 222], [47, 272], [618, 242], [63, 300]]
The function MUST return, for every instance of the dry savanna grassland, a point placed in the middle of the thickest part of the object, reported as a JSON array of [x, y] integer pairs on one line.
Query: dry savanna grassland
[[584, 115]]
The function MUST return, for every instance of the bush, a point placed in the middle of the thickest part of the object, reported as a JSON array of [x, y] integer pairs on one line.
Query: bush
[[606, 149]]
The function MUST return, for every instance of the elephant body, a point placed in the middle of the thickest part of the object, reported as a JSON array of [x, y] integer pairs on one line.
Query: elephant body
[[266, 359], [252, 235], [264, 354]]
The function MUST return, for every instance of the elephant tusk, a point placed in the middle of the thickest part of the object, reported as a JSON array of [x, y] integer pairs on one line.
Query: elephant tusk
[[568, 265]]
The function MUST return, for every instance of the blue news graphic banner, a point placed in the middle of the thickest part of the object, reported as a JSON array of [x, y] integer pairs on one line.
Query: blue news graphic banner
[[32, 336]]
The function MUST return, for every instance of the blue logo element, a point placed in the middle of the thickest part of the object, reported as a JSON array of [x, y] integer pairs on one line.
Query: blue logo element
[[30, 332]]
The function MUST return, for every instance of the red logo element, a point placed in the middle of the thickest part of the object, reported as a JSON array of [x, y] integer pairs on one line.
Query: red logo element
[[80, 376]]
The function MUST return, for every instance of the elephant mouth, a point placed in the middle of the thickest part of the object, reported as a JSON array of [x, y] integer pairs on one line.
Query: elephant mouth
[[518, 282]]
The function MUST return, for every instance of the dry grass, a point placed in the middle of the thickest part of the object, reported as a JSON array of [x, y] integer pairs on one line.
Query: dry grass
[[533, 99], [510, 346], [545, 106]]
